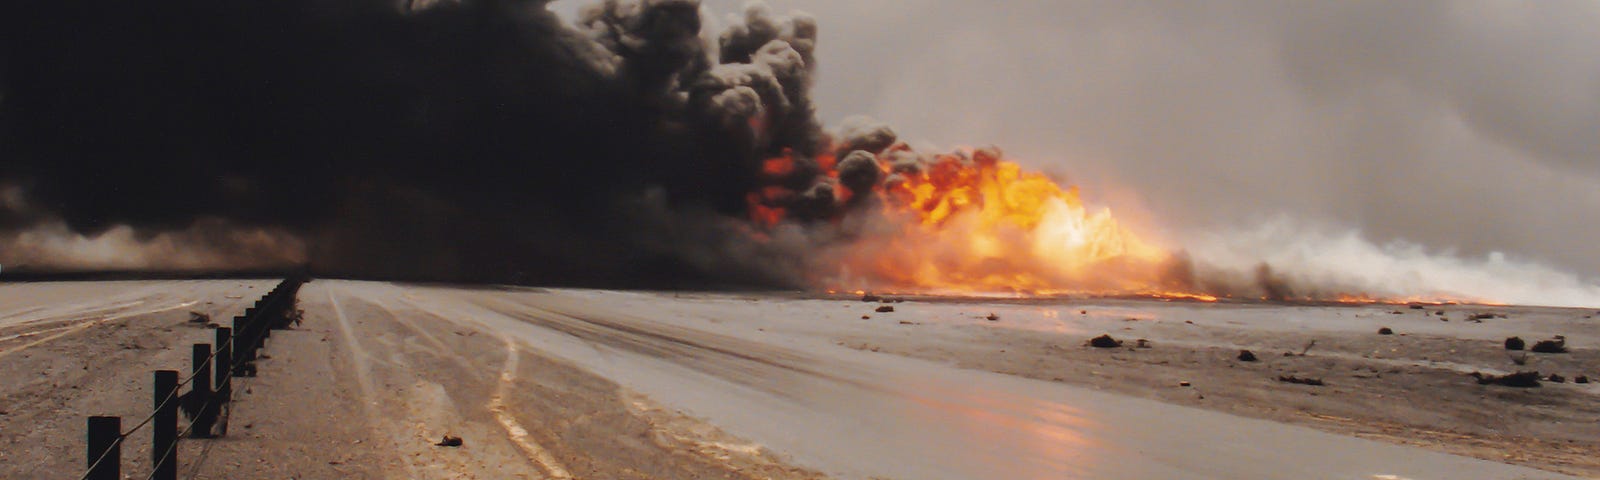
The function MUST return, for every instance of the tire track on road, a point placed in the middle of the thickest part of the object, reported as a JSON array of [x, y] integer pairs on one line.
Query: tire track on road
[[75, 311], [615, 342], [515, 432], [358, 360], [767, 367], [438, 346], [85, 326]]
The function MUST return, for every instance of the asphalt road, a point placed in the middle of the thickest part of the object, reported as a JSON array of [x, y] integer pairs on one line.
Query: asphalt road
[[595, 384], [858, 414]]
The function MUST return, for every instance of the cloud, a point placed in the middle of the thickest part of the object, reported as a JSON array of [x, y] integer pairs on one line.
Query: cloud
[[489, 139], [1463, 126]]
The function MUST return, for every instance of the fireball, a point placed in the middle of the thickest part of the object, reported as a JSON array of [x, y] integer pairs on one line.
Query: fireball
[[967, 222]]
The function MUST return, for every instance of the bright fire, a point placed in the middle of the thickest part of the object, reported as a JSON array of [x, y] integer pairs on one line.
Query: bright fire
[[974, 223]]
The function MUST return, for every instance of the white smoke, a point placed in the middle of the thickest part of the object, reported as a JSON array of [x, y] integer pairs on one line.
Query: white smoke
[[1319, 260]]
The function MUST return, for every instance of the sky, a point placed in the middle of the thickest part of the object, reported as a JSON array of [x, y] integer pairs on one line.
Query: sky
[[1460, 128], [1377, 146]]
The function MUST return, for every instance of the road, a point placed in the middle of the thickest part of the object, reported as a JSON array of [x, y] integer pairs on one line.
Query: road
[[858, 414], [597, 384]]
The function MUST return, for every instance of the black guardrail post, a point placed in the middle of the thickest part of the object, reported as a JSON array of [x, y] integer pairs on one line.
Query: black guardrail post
[[275, 308], [236, 349], [266, 314], [200, 387], [224, 361], [164, 427], [253, 324], [245, 345], [105, 448]]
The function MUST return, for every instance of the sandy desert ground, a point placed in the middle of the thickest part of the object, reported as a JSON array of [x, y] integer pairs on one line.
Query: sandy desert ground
[[600, 385]]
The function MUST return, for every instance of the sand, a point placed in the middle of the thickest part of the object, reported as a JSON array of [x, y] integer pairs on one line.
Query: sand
[[600, 384], [69, 350]]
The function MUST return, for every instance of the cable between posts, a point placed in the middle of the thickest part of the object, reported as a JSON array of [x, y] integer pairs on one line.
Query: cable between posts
[[232, 340], [157, 467]]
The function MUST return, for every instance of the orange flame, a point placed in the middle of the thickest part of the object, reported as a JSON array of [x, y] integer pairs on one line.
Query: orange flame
[[976, 224], [778, 167], [973, 223], [989, 226]]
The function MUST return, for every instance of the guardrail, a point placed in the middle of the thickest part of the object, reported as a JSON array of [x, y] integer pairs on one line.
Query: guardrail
[[234, 356]]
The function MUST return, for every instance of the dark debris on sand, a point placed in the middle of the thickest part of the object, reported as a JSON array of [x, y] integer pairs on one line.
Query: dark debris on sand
[[1519, 379], [1555, 345], [1104, 341], [1480, 317], [1301, 381]]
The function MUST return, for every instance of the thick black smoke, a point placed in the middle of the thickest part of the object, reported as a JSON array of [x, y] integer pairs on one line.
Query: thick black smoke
[[451, 140]]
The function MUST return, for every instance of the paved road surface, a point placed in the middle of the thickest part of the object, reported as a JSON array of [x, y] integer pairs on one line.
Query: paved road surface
[[593, 384], [859, 414]]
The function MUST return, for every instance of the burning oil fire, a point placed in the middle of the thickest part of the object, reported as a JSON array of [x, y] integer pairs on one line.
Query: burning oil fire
[[970, 222]]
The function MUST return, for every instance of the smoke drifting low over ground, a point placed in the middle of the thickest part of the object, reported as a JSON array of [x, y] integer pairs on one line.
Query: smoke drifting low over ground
[[644, 143], [473, 140], [453, 140]]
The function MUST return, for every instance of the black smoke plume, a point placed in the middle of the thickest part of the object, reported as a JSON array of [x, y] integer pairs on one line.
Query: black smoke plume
[[445, 140]]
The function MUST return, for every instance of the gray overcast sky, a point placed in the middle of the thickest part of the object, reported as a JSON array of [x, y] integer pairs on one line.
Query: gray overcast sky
[[1456, 124]]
